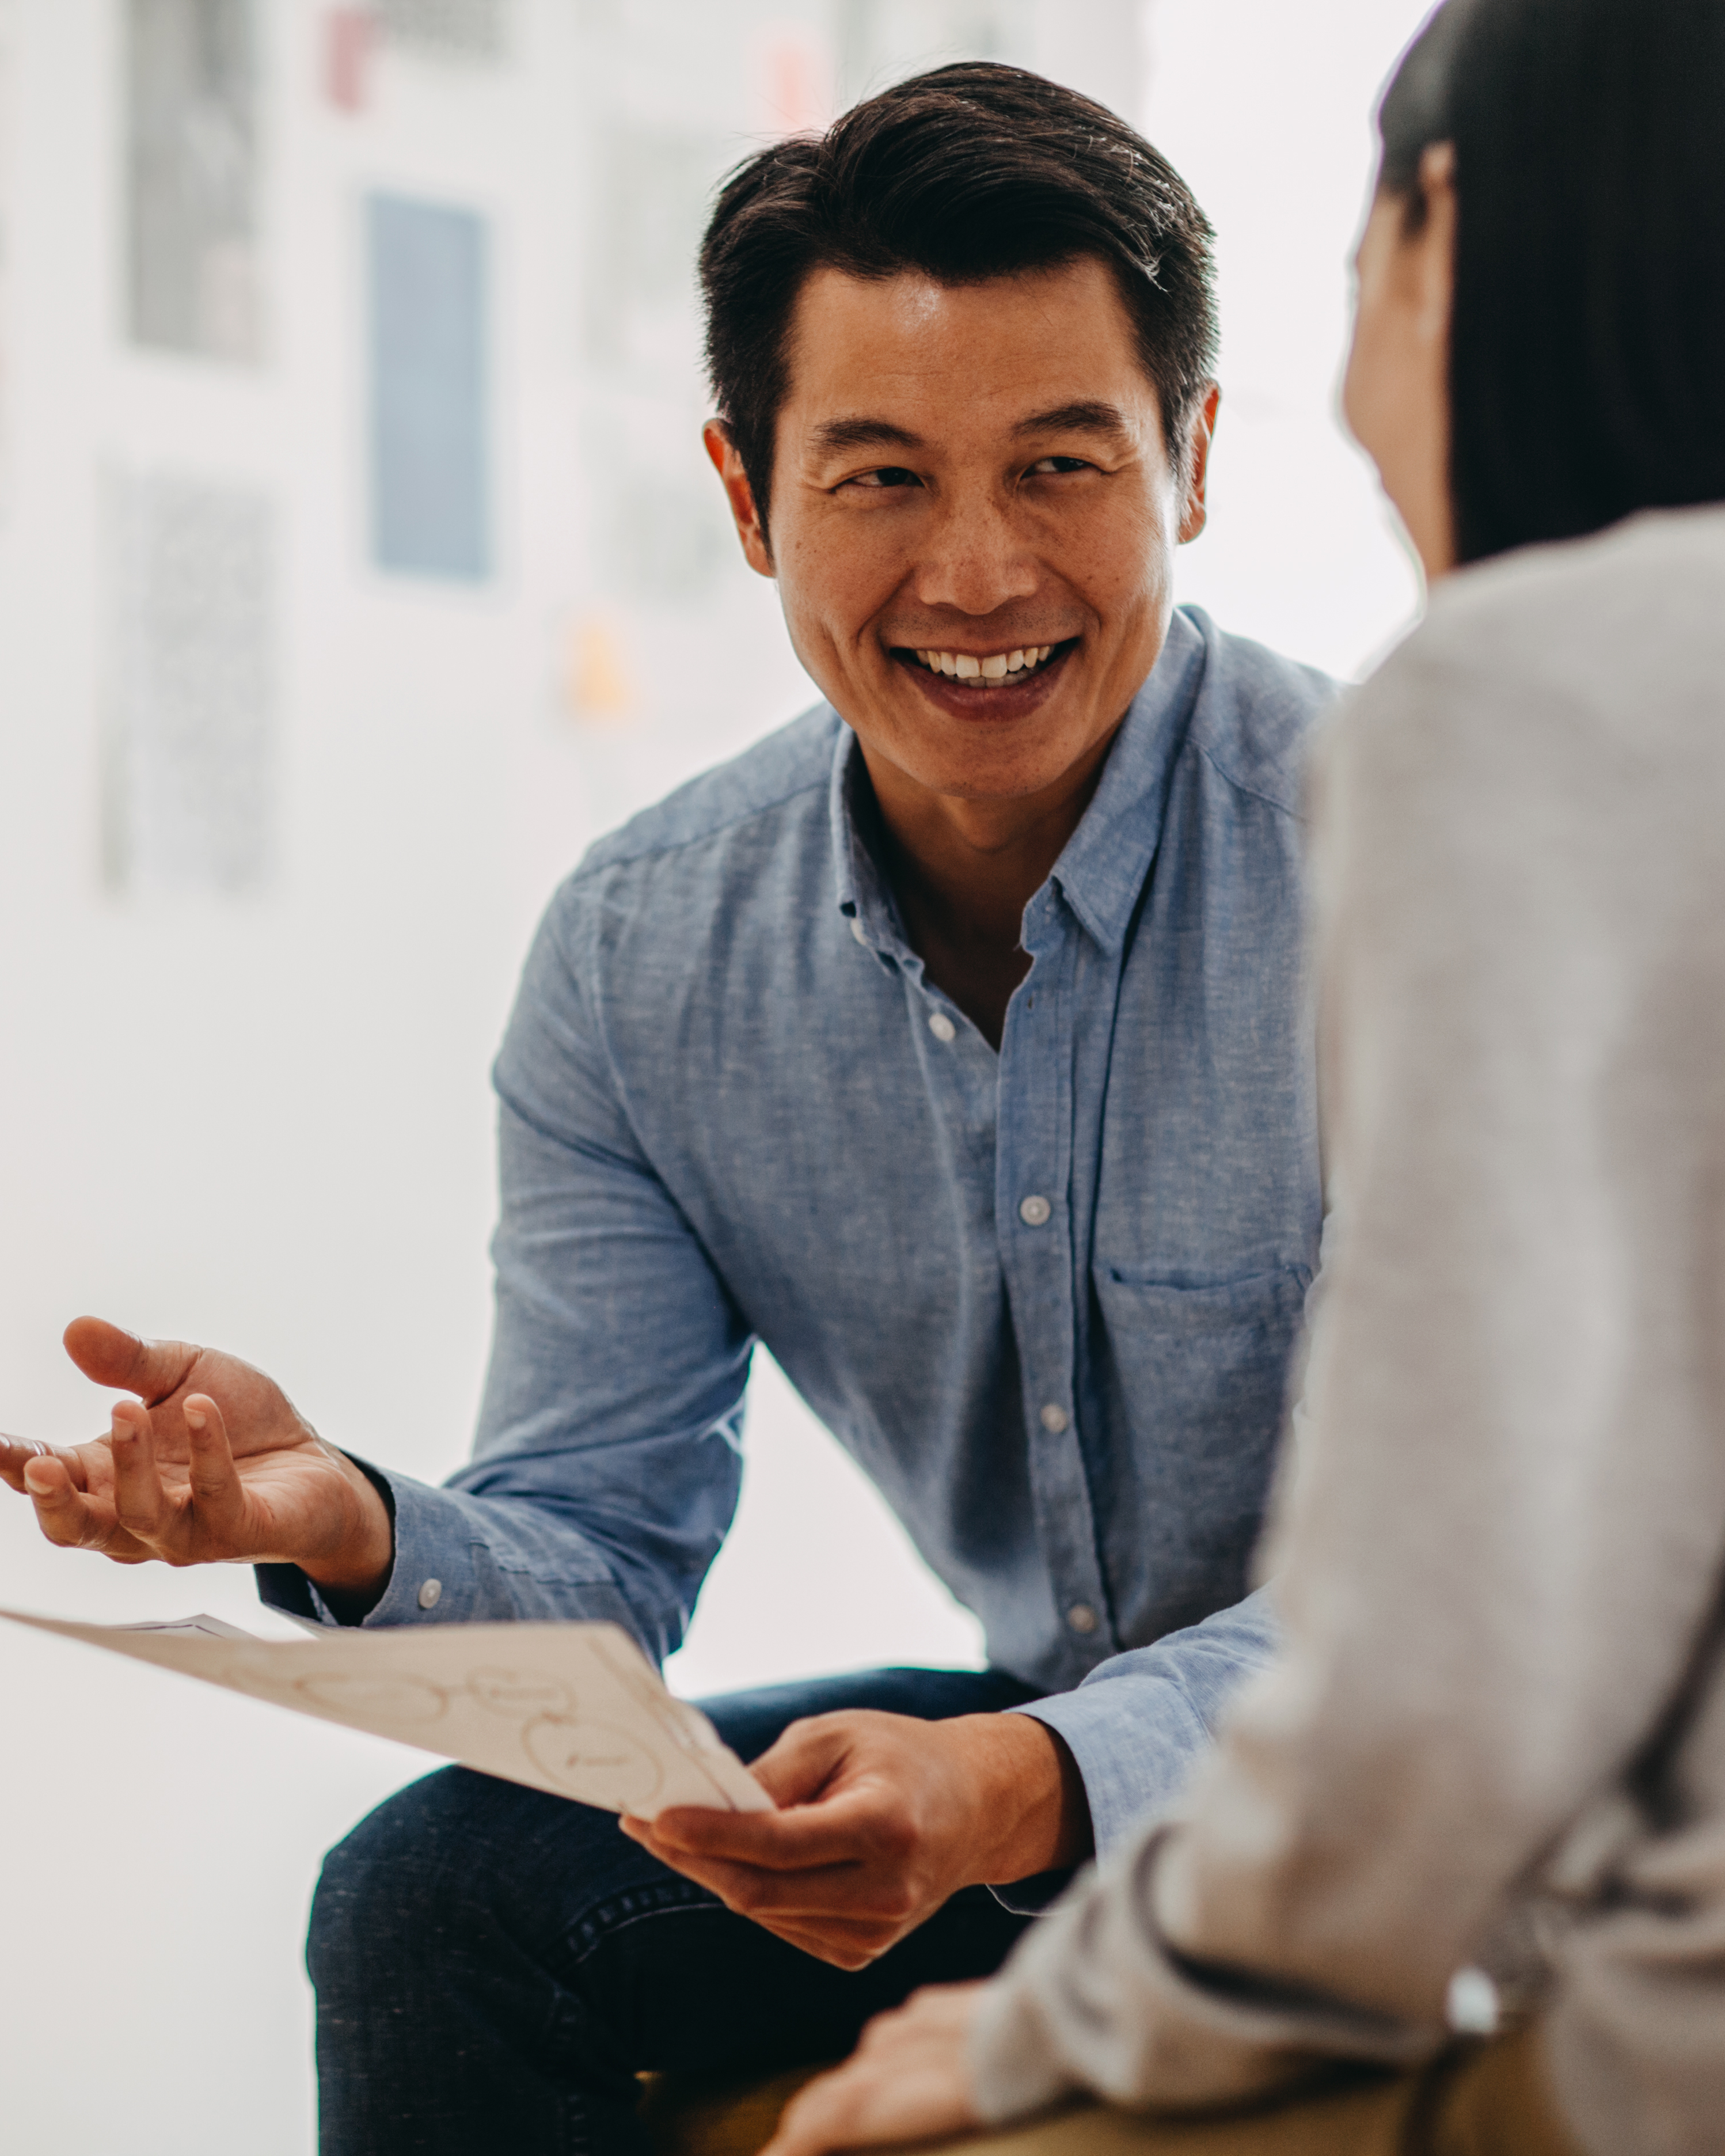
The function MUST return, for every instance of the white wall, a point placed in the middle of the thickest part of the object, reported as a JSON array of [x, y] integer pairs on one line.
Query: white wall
[[266, 1123]]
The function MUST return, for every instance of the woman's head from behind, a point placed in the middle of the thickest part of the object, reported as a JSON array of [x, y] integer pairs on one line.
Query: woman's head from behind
[[1540, 346]]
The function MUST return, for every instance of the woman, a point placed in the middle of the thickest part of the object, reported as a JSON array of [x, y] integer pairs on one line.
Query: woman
[[1487, 1778]]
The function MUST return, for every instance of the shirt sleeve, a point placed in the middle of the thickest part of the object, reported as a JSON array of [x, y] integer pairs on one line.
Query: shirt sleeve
[[1500, 1542], [1139, 1722], [607, 1466]]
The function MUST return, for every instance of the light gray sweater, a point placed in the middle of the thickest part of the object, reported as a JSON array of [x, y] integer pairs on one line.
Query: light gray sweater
[[1495, 1734]]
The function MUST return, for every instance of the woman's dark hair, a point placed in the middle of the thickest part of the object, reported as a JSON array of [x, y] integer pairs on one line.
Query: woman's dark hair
[[971, 172], [1587, 367]]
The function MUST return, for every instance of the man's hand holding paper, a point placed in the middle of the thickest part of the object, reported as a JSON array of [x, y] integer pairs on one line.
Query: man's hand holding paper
[[212, 1464], [882, 1820]]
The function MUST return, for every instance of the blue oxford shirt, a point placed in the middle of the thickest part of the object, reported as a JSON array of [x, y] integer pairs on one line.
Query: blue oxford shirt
[[1046, 1298]]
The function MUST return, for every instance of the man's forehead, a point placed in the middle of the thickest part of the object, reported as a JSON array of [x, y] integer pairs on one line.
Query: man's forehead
[[870, 355]]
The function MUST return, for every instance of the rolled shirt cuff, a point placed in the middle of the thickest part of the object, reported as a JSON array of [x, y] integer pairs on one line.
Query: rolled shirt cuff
[[1136, 1741], [465, 1560]]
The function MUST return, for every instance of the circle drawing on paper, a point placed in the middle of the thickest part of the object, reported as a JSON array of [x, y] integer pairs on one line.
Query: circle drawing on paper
[[522, 1694], [407, 1700], [596, 1763]]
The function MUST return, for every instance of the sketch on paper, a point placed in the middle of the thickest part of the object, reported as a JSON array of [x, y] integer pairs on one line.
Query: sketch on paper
[[188, 762], [193, 182], [428, 268], [577, 1710]]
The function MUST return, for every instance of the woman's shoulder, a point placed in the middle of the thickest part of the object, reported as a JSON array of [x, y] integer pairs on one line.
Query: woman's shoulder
[[1642, 602], [1581, 658]]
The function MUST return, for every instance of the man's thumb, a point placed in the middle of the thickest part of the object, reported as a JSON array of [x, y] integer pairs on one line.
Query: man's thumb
[[109, 1355], [797, 1769]]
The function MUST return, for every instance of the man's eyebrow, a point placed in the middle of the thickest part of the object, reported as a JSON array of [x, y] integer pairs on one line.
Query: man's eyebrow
[[832, 436], [1084, 418]]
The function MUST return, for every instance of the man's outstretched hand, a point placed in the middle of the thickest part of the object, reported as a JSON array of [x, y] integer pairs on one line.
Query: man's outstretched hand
[[211, 1464], [881, 1818]]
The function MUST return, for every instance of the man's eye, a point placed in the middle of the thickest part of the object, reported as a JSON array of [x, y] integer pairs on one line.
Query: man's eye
[[1049, 465], [887, 475]]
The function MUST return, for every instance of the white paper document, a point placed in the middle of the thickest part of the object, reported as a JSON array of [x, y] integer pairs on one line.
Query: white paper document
[[575, 1709]]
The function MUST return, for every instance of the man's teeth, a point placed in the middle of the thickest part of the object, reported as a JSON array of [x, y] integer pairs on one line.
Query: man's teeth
[[961, 666]]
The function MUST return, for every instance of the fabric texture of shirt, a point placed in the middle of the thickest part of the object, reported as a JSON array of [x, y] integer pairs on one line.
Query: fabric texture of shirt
[[1494, 1741], [1045, 1298]]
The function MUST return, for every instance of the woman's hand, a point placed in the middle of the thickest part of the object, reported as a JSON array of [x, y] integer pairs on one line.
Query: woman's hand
[[908, 2080]]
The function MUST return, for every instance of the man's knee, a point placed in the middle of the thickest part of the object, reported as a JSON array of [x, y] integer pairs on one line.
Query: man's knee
[[380, 1881], [447, 1864]]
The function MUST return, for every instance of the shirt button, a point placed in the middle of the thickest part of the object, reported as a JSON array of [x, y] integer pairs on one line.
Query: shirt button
[[1056, 1420], [857, 929], [431, 1593], [1081, 1617], [1036, 1212], [942, 1027]]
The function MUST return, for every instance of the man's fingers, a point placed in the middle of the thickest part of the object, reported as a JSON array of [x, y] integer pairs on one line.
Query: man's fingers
[[840, 1892], [141, 1505], [838, 1949], [847, 1829], [16, 1453], [844, 1913], [62, 1511], [110, 1356], [217, 1496], [796, 1768]]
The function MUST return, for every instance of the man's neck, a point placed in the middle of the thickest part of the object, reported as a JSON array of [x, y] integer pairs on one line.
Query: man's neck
[[964, 872]]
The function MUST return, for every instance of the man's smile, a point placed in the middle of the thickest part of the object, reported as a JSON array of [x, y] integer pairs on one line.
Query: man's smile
[[995, 666], [993, 684]]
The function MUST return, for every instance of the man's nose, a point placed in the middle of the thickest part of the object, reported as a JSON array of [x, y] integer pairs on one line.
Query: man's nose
[[974, 559]]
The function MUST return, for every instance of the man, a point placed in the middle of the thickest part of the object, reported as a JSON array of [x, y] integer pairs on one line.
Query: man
[[950, 1042]]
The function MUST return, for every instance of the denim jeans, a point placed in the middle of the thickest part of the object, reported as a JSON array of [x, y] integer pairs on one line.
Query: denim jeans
[[493, 1966]]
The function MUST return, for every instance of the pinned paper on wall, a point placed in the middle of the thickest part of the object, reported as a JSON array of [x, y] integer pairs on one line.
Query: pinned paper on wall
[[881, 41], [188, 766], [794, 79], [430, 391], [193, 182], [455, 29], [651, 192], [598, 680], [577, 1709], [349, 34]]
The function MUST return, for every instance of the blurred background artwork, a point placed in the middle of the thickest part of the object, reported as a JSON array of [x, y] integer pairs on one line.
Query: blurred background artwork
[[359, 564]]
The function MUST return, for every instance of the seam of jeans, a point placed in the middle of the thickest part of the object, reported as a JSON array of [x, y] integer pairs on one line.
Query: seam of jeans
[[595, 1927]]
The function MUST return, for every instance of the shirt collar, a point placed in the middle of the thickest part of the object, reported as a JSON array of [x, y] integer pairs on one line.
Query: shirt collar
[[1102, 870], [1107, 859], [864, 894]]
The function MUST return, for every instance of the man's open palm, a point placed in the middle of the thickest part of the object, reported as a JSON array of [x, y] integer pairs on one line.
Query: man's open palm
[[212, 1463]]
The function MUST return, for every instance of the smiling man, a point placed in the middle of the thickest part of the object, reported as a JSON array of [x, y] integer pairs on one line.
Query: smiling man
[[950, 1043]]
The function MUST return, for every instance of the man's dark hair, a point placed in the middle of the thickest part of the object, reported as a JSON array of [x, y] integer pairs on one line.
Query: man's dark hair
[[1587, 366], [972, 173]]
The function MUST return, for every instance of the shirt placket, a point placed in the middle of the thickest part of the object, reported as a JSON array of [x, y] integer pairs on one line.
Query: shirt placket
[[1034, 1222]]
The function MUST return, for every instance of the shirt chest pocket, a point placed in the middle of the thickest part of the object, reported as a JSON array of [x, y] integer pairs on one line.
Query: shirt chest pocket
[[1203, 1370]]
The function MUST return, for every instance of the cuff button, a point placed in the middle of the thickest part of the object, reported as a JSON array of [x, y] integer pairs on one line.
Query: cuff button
[[431, 1593]]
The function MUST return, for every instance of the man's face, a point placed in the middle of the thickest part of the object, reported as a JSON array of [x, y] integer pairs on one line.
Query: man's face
[[973, 519]]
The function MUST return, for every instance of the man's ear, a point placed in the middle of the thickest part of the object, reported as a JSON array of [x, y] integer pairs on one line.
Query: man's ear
[[1201, 432], [740, 495]]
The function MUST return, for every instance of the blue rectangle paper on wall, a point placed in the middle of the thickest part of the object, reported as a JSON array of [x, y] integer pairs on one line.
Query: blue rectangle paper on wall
[[430, 391]]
